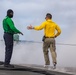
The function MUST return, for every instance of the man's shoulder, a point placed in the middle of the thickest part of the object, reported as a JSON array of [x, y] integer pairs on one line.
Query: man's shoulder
[[6, 18], [44, 21]]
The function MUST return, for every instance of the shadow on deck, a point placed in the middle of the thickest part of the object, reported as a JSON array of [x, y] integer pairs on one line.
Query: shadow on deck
[[22, 69]]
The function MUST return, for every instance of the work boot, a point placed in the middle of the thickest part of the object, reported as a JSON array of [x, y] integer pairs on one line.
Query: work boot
[[9, 66], [47, 67], [54, 65], [1, 63]]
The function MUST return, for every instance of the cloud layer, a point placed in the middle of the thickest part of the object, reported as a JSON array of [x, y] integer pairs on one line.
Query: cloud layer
[[33, 12]]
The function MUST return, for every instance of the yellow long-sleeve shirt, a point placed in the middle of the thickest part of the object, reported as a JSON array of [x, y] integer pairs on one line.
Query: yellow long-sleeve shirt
[[51, 29]]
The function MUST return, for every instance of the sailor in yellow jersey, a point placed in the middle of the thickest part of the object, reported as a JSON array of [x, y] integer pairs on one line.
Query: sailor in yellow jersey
[[51, 31]]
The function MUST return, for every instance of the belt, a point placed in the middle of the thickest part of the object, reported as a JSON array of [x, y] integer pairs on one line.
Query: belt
[[8, 33], [49, 37]]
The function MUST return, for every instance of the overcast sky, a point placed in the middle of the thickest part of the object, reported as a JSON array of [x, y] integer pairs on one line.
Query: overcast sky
[[33, 12]]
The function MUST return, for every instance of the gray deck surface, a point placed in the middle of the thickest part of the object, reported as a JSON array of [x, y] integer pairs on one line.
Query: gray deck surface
[[33, 70]]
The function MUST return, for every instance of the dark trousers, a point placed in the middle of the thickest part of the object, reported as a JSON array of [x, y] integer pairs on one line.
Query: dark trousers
[[8, 38]]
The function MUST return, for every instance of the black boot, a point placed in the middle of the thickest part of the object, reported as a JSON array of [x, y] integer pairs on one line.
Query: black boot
[[54, 65], [1, 63], [9, 66]]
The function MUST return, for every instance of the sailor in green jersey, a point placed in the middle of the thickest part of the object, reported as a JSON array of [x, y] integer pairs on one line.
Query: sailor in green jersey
[[9, 29]]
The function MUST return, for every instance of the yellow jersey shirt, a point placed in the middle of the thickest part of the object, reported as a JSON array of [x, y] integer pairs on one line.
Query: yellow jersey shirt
[[51, 29]]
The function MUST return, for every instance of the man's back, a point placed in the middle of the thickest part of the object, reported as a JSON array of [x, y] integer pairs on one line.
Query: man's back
[[50, 28]]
